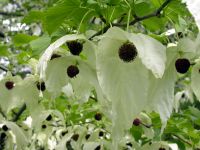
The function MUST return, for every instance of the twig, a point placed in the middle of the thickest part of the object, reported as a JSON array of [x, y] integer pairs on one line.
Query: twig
[[6, 70], [11, 14], [2, 113], [183, 140], [137, 19], [154, 14], [93, 98], [18, 114], [100, 32]]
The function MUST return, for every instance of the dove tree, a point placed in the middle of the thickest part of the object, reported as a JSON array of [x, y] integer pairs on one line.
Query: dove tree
[[95, 75]]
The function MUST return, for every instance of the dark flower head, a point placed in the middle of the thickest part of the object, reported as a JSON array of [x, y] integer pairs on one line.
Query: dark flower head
[[182, 65], [5, 128], [98, 147], [41, 86], [75, 47], [129, 144], [136, 122], [44, 126], [72, 71], [87, 136], [75, 137], [2, 135], [98, 116], [9, 85], [49, 117], [101, 133], [64, 132], [127, 52]]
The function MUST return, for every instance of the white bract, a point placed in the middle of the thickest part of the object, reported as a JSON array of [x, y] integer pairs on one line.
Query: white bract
[[195, 79], [127, 85], [193, 6]]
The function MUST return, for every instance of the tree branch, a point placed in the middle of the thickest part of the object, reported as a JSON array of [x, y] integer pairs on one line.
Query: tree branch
[[181, 139], [185, 141], [16, 14], [137, 19], [154, 14], [6, 70], [18, 114]]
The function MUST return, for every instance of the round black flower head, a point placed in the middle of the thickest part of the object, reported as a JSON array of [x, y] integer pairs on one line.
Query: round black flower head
[[49, 117], [3, 136], [136, 122], [41, 86], [72, 71], [182, 65], [98, 147], [44, 126], [9, 85], [5, 128], [98, 116], [101, 133], [75, 137], [127, 52], [87, 136], [75, 47]]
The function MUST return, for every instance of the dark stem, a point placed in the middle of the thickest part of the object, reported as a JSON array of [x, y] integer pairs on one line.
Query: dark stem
[[185, 141], [2, 113], [100, 32], [6, 70], [18, 114], [137, 19], [11, 14], [154, 14]]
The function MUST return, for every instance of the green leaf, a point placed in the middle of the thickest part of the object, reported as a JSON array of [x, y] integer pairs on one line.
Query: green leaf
[[33, 16], [55, 16], [40, 44], [21, 39], [136, 132], [4, 50]]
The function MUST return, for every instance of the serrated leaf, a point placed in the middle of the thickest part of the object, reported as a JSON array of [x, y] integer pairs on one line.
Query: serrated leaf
[[33, 16], [64, 10], [40, 44], [21, 39]]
